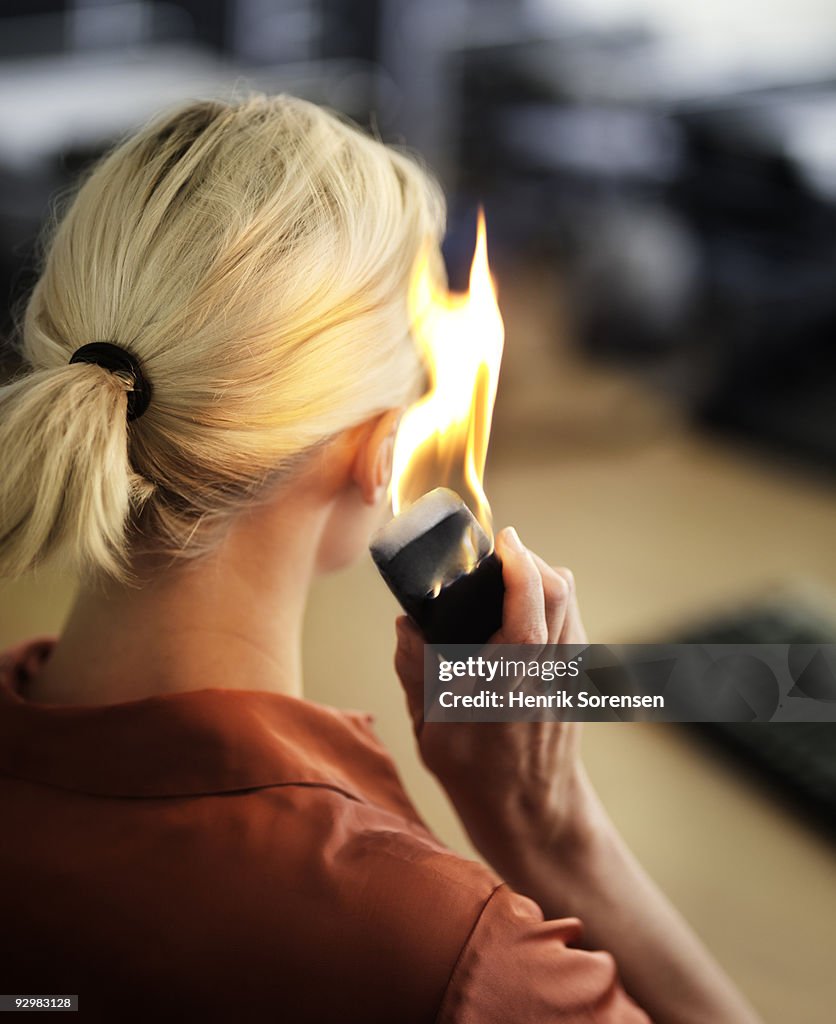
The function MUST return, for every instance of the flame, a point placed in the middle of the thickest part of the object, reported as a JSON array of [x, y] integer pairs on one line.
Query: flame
[[442, 439]]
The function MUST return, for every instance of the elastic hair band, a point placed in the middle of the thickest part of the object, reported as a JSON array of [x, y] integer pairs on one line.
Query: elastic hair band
[[113, 357]]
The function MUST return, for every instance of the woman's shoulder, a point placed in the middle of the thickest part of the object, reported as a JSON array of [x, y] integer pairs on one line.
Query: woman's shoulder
[[409, 926], [363, 908], [351, 849]]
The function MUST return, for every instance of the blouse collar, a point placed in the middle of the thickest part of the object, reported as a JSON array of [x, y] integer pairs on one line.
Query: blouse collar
[[184, 744]]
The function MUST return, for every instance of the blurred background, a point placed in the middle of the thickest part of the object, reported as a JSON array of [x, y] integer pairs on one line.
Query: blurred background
[[659, 179]]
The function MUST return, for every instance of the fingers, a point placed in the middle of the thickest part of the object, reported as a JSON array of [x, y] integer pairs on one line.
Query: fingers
[[540, 606], [557, 593], [573, 631], [561, 619], [523, 609]]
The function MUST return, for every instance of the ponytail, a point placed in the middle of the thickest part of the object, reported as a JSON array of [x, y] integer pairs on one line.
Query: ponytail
[[67, 487]]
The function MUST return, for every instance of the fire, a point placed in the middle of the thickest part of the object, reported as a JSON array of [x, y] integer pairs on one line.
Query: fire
[[443, 438]]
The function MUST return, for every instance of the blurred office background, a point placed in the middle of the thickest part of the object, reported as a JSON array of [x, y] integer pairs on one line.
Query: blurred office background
[[660, 185]]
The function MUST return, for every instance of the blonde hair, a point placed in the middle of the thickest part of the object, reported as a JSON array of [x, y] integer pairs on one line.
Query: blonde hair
[[255, 256]]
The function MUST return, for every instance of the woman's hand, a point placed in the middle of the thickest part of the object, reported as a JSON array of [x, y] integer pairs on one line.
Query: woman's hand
[[518, 787], [529, 808]]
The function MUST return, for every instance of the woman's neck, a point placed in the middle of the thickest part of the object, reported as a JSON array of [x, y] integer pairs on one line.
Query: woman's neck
[[233, 619]]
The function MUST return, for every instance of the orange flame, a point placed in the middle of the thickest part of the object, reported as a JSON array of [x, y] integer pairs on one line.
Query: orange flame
[[443, 438]]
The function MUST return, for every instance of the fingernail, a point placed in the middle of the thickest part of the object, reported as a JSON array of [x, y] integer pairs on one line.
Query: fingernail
[[513, 539]]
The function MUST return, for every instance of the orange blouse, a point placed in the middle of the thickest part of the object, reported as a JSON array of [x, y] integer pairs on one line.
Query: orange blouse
[[240, 855]]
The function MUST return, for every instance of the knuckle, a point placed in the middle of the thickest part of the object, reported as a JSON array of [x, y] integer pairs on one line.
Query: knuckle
[[534, 633], [567, 576]]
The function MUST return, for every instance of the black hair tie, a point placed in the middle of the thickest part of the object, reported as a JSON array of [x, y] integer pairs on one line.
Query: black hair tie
[[112, 357]]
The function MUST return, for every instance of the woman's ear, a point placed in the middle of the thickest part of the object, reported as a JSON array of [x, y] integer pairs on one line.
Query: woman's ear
[[372, 466]]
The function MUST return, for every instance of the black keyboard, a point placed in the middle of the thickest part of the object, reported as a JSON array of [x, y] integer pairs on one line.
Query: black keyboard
[[798, 759]]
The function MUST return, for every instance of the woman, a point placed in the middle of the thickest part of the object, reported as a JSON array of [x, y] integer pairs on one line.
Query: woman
[[218, 352]]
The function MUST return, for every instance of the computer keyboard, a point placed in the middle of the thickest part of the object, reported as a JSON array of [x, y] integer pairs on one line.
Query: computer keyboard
[[798, 759]]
